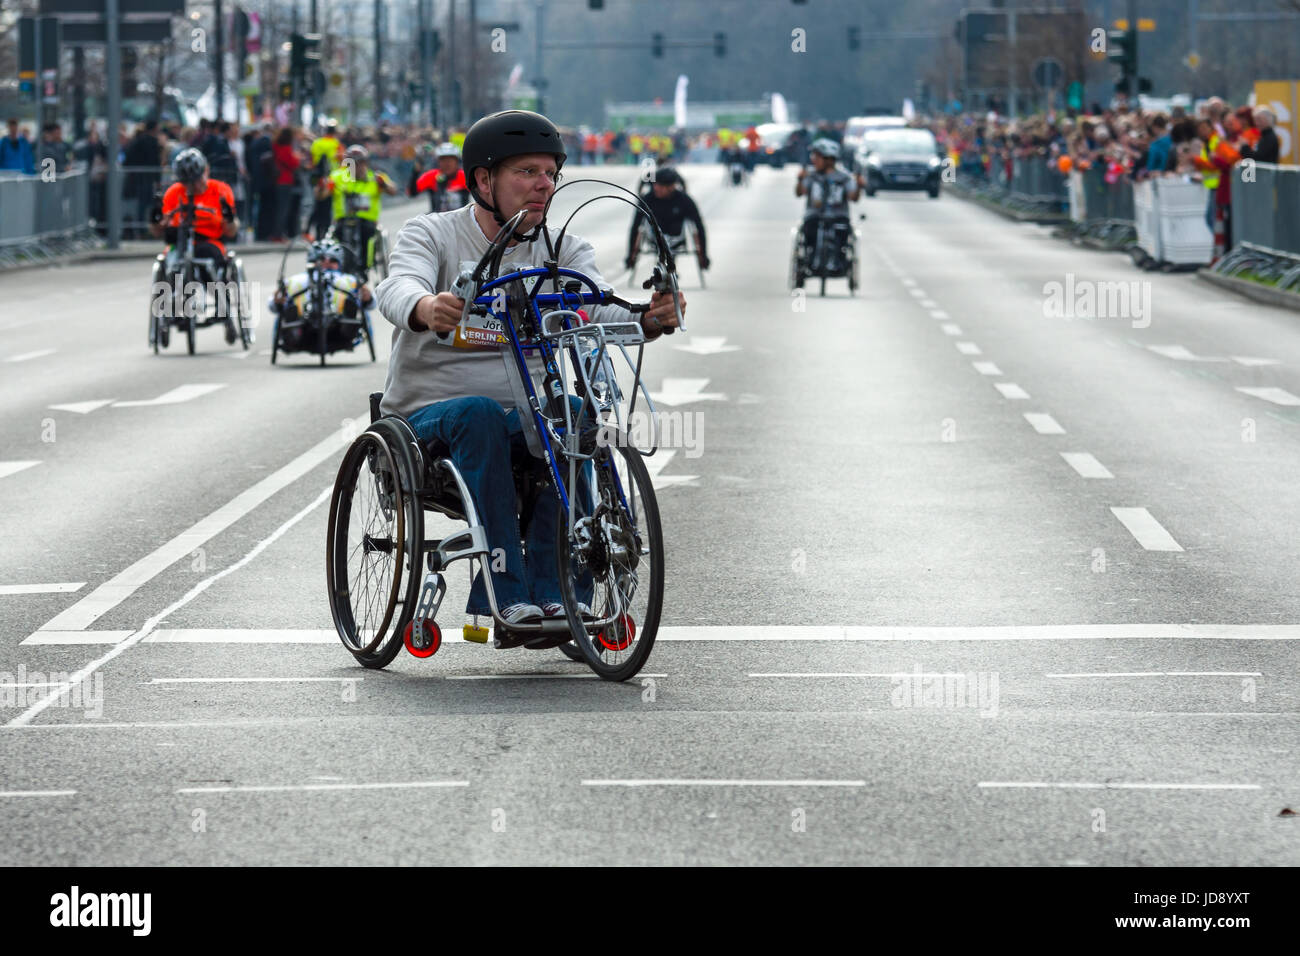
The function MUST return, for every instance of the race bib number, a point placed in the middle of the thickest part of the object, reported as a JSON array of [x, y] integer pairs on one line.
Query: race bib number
[[361, 201]]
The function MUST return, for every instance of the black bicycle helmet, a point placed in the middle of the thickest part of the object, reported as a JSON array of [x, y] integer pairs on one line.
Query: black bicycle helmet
[[190, 166], [501, 135], [667, 176]]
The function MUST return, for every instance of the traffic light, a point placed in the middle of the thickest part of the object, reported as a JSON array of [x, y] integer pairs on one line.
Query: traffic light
[[657, 45], [304, 48], [596, 4], [855, 38], [286, 91], [719, 44], [1121, 48]]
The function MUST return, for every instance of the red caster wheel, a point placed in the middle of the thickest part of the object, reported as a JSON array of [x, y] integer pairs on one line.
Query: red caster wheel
[[621, 637], [432, 639]]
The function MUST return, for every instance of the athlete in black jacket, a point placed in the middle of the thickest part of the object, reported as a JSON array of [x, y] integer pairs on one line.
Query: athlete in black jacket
[[672, 207]]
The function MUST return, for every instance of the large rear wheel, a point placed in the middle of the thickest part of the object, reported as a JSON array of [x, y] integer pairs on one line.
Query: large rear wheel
[[372, 551]]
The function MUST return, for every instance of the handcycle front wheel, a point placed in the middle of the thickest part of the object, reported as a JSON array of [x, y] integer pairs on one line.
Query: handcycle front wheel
[[615, 561], [372, 551]]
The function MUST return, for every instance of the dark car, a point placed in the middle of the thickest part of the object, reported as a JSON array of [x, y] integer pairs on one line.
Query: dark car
[[900, 159], [781, 143]]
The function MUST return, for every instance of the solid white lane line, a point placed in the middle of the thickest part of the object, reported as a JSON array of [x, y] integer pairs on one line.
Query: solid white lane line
[[951, 328], [125, 583], [1278, 396], [83, 408], [300, 788], [938, 314], [1043, 423], [27, 716], [683, 782], [1010, 390], [995, 632], [40, 353], [968, 348], [1149, 532], [37, 793], [183, 393], [64, 587], [251, 680], [987, 368], [855, 674], [8, 468], [51, 638], [1031, 785], [1165, 674], [236, 636], [1086, 465]]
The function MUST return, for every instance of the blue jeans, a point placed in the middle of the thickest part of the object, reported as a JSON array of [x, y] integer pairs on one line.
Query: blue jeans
[[482, 436]]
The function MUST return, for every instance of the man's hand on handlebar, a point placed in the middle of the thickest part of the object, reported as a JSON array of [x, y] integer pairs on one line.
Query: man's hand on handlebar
[[661, 314], [437, 313]]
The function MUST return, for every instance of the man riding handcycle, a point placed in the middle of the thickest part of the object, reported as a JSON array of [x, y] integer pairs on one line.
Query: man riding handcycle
[[824, 245], [561, 512], [678, 217], [357, 192], [323, 309], [196, 281]]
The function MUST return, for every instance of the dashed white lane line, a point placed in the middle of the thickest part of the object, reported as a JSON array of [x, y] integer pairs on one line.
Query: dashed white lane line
[[535, 676], [302, 788], [968, 348], [27, 356], [63, 587], [252, 680], [1252, 361], [1043, 423], [1164, 674], [1109, 785], [951, 328], [1183, 354], [1149, 532], [927, 303], [182, 393], [37, 793], [683, 782], [1010, 390], [938, 314], [917, 293], [987, 368], [1086, 465], [1278, 396], [907, 282], [83, 408], [8, 468]]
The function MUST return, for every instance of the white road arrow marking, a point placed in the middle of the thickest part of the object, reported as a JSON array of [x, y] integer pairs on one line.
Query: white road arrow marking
[[8, 468], [683, 391], [83, 408], [41, 353], [183, 393], [656, 463], [707, 345], [1182, 354], [1278, 396]]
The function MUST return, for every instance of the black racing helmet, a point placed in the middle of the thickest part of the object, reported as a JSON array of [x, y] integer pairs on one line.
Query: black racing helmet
[[509, 133], [190, 166], [667, 176]]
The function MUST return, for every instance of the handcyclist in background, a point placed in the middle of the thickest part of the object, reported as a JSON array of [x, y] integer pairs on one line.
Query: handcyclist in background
[[672, 208], [829, 191], [445, 182]]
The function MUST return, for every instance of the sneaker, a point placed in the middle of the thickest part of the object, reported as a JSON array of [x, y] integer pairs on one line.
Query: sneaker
[[553, 609], [521, 614]]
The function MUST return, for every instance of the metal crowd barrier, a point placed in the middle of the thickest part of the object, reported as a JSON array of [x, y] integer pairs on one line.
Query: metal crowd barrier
[[1265, 224], [41, 219], [1100, 210]]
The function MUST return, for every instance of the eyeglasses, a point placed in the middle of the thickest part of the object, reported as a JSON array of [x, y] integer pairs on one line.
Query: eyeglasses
[[532, 172]]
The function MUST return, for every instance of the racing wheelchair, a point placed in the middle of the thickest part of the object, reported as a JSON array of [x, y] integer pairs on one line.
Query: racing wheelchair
[[360, 256], [386, 581], [189, 292], [685, 245], [834, 254], [323, 314]]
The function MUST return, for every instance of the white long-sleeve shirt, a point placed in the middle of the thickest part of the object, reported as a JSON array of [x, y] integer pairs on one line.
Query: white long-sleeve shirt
[[426, 367]]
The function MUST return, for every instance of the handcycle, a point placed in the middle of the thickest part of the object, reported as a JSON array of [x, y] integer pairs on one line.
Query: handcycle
[[190, 292], [684, 245], [834, 254], [322, 325], [360, 256], [609, 541]]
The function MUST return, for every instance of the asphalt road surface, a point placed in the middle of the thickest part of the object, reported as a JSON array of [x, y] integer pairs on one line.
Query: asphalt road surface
[[952, 578]]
